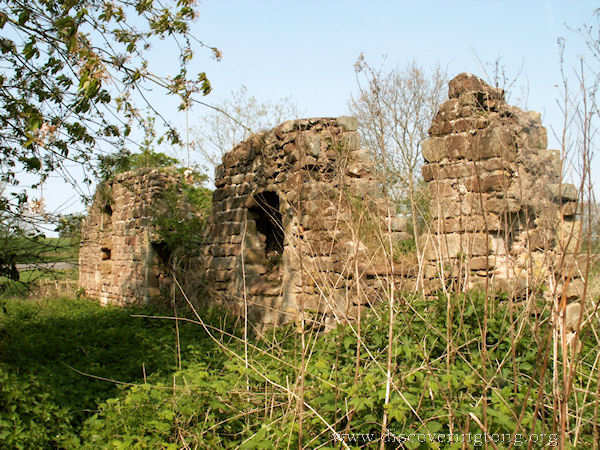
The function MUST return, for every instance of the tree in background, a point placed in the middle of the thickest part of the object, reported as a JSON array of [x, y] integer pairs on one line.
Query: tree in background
[[72, 73], [8, 255], [511, 80], [21, 244], [235, 120], [124, 159], [394, 110], [69, 226]]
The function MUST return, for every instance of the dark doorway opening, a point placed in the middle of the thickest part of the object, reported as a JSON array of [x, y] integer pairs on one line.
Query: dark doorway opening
[[268, 221]]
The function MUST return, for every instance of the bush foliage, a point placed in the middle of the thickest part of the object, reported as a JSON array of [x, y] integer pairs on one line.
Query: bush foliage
[[222, 399], [231, 406], [47, 346]]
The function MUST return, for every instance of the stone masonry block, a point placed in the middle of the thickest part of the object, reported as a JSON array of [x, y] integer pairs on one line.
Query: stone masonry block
[[434, 149], [347, 123], [489, 182], [493, 142], [456, 244]]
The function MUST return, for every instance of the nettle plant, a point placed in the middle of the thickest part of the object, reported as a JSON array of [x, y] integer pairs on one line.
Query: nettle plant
[[441, 383]]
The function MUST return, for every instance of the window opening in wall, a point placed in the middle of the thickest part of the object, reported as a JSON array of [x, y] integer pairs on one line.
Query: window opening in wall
[[268, 221], [162, 250], [106, 216], [106, 253]]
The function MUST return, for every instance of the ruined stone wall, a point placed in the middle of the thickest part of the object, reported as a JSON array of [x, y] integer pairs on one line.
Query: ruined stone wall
[[284, 226], [118, 263], [300, 227], [499, 211]]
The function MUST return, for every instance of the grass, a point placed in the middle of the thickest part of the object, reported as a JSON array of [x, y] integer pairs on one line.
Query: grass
[[77, 375], [46, 347]]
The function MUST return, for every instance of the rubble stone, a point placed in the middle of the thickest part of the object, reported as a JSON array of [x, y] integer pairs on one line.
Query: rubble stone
[[300, 225], [499, 180]]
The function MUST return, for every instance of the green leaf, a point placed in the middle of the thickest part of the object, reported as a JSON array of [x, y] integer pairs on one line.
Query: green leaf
[[349, 341], [33, 163], [23, 16]]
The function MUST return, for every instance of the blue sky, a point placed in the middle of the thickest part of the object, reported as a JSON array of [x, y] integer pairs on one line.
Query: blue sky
[[306, 50]]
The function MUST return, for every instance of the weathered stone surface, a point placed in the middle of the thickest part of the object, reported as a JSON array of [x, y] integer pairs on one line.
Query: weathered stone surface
[[488, 182], [573, 316], [351, 141], [457, 146], [348, 123], [569, 209], [565, 192], [439, 189], [493, 142], [237, 179], [541, 239], [482, 263], [536, 137], [287, 126], [433, 149], [488, 171], [120, 259], [573, 290], [456, 244], [491, 222], [431, 172], [503, 205], [311, 143], [358, 170], [466, 83]]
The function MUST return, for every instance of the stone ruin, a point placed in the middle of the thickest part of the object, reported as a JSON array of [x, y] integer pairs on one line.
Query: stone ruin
[[120, 260], [300, 226], [281, 240], [500, 214]]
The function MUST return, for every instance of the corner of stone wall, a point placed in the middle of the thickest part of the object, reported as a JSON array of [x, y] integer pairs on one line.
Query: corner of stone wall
[[500, 215], [117, 264], [310, 180]]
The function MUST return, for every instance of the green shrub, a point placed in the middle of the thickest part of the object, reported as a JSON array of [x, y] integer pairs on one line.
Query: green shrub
[[47, 347], [232, 406], [12, 288], [181, 220], [221, 400], [29, 418], [123, 161]]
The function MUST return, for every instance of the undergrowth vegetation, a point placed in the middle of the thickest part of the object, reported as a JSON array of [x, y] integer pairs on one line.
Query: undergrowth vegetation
[[250, 403], [60, 359]]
